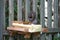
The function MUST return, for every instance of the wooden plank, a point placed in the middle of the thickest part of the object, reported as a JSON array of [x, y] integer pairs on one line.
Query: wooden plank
[[35, 7], [27, 8], [2, 18], [42, 12], [49, 21], [11, 38], [49, 37], [42, 37], [4, 14], [4, 21], [11, 14], [19, 6], [56, 13], [49, 10], [36, 37], [11, 11], [52, 30]]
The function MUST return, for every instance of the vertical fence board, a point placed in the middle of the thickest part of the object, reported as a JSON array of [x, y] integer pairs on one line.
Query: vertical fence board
[[42, 37], [11, 14], [49, 10], [49, 22], [4, 14], [42, 12], [11, 11], [35, 10], [1, 18], [19, 15], [11, 38], [35, 6], [19, 6], [27, 9], [56, 13], [4, 21], [49, 37]]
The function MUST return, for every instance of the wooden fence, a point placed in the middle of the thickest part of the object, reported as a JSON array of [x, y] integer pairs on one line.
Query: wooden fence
[[53, 31]]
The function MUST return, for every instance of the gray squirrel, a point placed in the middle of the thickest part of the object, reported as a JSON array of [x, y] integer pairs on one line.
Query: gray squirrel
[[32, 17]]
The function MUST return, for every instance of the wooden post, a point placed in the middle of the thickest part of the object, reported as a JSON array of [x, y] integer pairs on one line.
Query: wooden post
[[19, 6], [48, 36], [35, 7], [49, 22], [42, 12], [56, 13], [2, 19], [49, 12], [27, 9], [11, 11], [11, 14], [42, 37]]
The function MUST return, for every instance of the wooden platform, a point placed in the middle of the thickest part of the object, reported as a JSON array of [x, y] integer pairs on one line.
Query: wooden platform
[[23, 31]]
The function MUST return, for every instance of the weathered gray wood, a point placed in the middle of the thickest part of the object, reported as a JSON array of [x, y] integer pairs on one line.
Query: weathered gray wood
[[43, 37], [49, 22], [2, 18], [49, 10], [56, 13], [49, 37], [36, 38], [20, 37], [4, 38], [5, 33], [19, 6], [4, 14], [35, 6], [53, 30], [11, 14], [11, 11], [11, 38], [27, 9], [42, 12]]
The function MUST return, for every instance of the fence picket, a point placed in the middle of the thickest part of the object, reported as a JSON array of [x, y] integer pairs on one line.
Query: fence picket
[[2, 18], [11, 14], [27, 9], [35, 6], [42, 12], [11, 11], [49, 10], [56, 13], [19, 6]]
